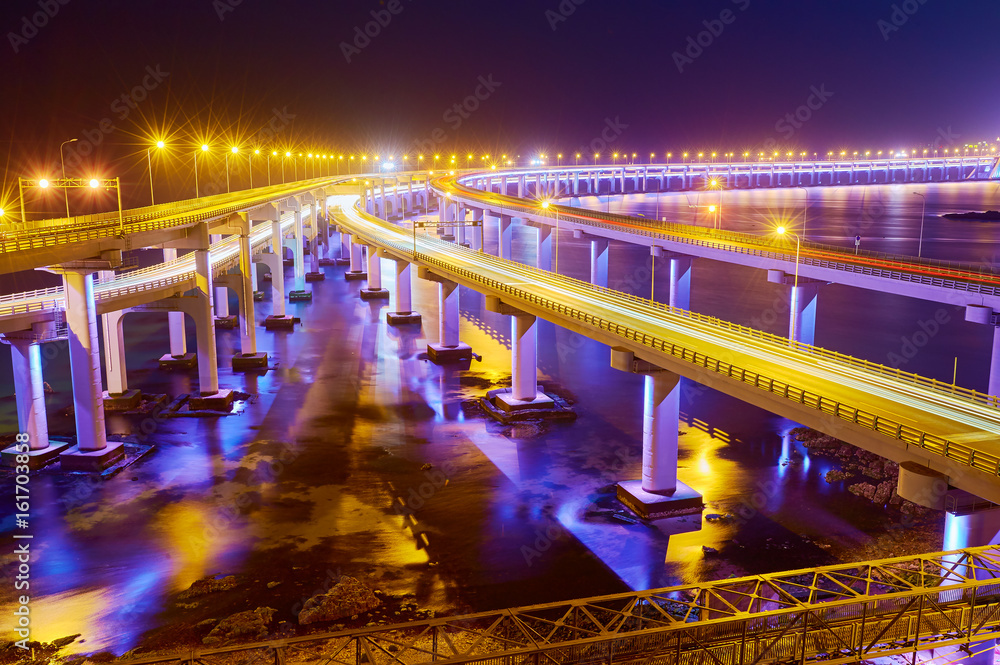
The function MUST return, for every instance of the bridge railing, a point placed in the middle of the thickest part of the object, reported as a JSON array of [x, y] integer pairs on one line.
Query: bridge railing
[[888, 427], [718, 238], [832, 614], [153, 218]]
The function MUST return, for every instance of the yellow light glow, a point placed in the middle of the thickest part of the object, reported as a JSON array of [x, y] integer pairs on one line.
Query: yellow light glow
[[711, 208], [160, 144], [288, 154], [1, 212], [274, 153], [94, 183], [545, 204], [780, 230], [43, 183], [204, 147], [235, 150], [256, 152]]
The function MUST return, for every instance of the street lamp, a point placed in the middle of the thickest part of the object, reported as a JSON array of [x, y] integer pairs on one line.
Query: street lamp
[[234, 150], [204, 148], [250, 162], [63, 162], [555, 252], [920, 243], [781, 230], [149, 163]]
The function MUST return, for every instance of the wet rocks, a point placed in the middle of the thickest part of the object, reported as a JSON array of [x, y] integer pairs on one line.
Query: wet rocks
[[208, 585], [348, 598], [252, 624]]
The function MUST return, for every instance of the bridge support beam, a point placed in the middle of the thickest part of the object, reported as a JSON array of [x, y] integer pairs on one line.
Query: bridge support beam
[[403, 313], [801, 306], [374, 290], [659, 493], [299, 292], [448, 348]]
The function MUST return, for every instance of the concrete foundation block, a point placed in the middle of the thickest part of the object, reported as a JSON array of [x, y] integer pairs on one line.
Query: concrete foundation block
[[374, 294], [126, 401], [402, 318], [315, 276], [352, 275], [187, 361], [300, 296], [249, 361], [649, 506], [36, 458], [220, 401], [74, 459], [449, 354], [226, 322], [280, 322]]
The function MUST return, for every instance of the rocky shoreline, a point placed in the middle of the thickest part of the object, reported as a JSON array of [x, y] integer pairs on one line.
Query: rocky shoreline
[[987, 216]]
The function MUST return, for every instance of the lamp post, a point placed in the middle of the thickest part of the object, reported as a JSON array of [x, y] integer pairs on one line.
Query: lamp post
[[781, 230], [149, 163], [805, 209], [63, 163], [250, 162], [204, 148], [920, 243], [233, 150], [555, 251]]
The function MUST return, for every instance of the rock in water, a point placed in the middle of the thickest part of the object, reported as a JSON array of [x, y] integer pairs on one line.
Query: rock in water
[[347, 598], [250, 624]]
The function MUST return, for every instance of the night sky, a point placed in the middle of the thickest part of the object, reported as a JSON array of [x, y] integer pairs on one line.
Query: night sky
[[527, 77]]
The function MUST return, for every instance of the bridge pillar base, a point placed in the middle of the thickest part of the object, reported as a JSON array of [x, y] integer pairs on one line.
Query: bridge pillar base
[[300, 296], [36, 458], [922, 485], [126, 401], [315, 276], [280, 322], [374, 294], [258, 296], [652, 506], [245, 362], [438, 353], [226, 322], [355, 275], [219, 401], [75, 459], [183, 361], [402, 318]]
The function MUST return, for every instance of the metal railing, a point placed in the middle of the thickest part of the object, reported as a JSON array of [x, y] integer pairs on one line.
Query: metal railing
[[888, 427], [831, 614]]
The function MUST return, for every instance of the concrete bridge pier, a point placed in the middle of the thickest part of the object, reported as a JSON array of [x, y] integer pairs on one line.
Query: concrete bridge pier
[[476, 237], [520, 187], [659, 493], [345, 247], [299, 292], [801, 305], [117, 397], [92, 451], [599, 250], [543, 252], [277, 319], [524, 392], [223, 318], [986, 316], [178, 356], [680, 282], [317, 238], [505, 234], [374, 291], [242, 282], [403, 313], [29, 395], [448, 348], [357, 270]]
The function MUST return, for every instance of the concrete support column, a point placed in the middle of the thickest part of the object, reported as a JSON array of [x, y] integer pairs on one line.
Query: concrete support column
[[520, 187], [994, 381], [374, 291], [680, 282], [114, 352], [29, 393], [524, 357], [660, 414], [175, 320], [357, 258], [383, 210], [505, 237], [85, 360], [300, 266], [221, 293], [404, 309], [576, 183], [208, 365], [476, 241], [802, 313], [543, 253], [248, 316], [277, 272], [461, 231], [599, 261], [448, 348]]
